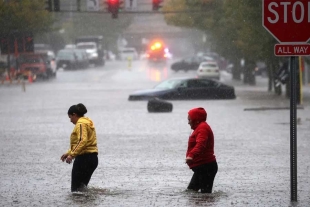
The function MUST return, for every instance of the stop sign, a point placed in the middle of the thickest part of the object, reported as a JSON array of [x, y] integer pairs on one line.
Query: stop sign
[[287, 20]]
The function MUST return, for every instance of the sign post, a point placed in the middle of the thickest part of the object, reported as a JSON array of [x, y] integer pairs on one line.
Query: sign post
[[288, 21]]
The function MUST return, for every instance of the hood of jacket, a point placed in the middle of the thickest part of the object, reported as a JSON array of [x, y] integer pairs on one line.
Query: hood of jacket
[[197, 115], [87, 121]]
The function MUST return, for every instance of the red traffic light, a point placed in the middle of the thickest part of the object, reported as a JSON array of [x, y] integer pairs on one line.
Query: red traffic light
[[113, 6], [113, 2], [156, 4]]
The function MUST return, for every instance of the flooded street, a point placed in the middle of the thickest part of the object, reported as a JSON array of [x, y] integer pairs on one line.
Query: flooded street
[[141, 154]]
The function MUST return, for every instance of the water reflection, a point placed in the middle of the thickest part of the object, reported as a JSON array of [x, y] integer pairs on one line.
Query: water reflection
[[157, 73]]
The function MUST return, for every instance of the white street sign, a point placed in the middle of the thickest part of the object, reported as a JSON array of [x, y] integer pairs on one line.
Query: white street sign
[[93, 5], [130, 5]]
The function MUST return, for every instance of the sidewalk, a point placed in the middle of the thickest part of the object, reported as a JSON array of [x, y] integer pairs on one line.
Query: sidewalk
[[260, 92]]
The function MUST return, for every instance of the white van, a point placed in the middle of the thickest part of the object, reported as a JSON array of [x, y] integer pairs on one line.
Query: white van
[[128, 53]]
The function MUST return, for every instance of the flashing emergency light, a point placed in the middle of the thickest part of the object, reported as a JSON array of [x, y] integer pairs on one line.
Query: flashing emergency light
[[156, 45]]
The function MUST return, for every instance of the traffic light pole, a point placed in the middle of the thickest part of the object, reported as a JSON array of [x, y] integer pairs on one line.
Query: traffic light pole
[[293, 127]]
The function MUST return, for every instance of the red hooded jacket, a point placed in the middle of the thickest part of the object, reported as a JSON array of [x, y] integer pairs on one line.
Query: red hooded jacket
[[201, 141]]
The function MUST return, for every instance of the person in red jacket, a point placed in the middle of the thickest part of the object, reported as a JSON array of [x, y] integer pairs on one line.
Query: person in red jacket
[[200, 152]]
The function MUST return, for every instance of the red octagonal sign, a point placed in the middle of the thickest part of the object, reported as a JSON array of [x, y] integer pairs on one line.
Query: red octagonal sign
[[287, 20]]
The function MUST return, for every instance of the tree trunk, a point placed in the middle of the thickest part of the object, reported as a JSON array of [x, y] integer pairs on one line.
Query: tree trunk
[[249, 73], [270, 75], [274, 69], [236, 71]]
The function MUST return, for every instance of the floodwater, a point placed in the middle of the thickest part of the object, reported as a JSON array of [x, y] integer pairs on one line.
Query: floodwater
[[141, 154]]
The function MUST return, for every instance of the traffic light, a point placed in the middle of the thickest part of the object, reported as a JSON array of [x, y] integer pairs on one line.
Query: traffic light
[[157, 4], [113, 7]]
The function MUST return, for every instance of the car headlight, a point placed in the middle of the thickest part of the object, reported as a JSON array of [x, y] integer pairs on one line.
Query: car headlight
[[93, 55]]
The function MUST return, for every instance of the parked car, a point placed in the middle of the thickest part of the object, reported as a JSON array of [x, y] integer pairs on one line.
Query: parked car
[[70, 46], [67, 59], [229, 68], [109, 55], [208, 70], [35, 64], [42, 47], [186, 88], [189, 63], [82, 58], [49, 58], [128, 53], [92, 51], [207, 55], [261, 69]]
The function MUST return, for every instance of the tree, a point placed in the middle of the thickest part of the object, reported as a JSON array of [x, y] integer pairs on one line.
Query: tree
[[25, 15], [216, 19], [235, 29]]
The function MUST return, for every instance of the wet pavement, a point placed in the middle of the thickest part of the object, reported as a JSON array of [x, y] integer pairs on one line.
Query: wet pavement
[[141, 154]]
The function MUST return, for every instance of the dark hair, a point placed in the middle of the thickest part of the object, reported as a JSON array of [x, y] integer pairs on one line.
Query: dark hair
[[78, 109]]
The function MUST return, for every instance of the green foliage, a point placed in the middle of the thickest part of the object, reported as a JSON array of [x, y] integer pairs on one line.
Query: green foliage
[[179, 19], [233, 26], [25, 15]]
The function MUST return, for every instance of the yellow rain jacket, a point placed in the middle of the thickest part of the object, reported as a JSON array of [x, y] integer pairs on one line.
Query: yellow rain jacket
[[83, 138]]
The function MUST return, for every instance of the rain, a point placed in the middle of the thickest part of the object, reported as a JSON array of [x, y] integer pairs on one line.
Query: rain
[[94, 53]]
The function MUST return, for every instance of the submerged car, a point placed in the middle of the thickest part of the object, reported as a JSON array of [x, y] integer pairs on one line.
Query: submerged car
[[186, 89], [189, 63]]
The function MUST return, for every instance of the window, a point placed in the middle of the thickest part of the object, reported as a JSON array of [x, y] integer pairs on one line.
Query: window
[[169, 84], [201, 83]]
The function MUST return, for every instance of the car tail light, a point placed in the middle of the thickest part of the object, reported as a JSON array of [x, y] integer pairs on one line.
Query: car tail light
[[217, 70], [200, 70]]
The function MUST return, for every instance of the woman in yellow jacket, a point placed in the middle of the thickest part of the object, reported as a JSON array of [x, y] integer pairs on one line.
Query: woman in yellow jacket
[[83, 148]]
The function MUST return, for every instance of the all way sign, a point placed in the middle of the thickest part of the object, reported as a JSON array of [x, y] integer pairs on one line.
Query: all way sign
[[292, 50]]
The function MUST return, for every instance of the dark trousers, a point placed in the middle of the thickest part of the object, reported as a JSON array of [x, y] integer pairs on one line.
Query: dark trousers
[[203, 177], [83, 168]]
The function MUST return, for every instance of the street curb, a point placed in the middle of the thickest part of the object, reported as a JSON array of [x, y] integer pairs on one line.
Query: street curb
[[271, 108]]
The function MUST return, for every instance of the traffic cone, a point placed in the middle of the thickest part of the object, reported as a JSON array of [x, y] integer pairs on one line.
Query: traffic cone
[[30, 79], [7, 77], [2, 80]]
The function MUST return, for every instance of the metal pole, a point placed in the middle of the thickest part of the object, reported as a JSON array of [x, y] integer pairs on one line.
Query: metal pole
[[293, 128], [300, 64]]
